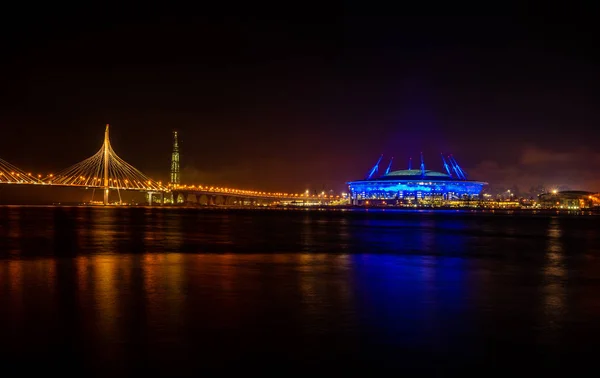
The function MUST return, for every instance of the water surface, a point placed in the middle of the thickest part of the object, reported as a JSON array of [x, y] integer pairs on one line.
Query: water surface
[[162, 291]]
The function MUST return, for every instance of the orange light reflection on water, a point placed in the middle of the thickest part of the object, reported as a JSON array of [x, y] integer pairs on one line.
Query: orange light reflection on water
[[554, 280], [164, 283]]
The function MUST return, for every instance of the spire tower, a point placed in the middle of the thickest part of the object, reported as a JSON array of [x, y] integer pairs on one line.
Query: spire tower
[[175, 176]]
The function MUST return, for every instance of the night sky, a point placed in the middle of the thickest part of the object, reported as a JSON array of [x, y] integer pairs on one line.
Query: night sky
[[297, 97]]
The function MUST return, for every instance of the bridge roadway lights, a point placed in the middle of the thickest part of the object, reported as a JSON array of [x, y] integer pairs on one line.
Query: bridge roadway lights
[[227, 199], [175, 194], [212, 199], [162, 197]]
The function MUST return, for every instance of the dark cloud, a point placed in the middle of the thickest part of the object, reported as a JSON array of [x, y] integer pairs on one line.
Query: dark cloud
[[575, 169], [538, 156]]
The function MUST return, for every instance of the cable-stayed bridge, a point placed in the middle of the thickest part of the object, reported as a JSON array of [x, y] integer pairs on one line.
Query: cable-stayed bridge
[[107, 172]]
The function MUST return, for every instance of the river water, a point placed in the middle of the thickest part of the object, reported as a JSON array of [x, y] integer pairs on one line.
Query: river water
[[179, 292]]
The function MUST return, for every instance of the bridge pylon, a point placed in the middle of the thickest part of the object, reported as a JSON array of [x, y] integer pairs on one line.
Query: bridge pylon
[[105, 170], [105, 147]]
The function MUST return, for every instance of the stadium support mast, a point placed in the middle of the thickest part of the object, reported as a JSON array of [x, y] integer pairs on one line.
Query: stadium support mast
[[462, 173], [375, 168], [457, 170], [422, 166], [409, 164], [446, 165], [453, 167], [389, 166], [175, 175]]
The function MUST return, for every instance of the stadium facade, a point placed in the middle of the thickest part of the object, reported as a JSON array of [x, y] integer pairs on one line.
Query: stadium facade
[[416, 187]]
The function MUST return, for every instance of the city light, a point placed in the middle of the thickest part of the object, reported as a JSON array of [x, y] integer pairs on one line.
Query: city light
[[416, 186], [106, 170], [9, 174]]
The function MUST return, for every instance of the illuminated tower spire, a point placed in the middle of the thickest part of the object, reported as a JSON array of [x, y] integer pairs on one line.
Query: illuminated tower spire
[[175, 178]]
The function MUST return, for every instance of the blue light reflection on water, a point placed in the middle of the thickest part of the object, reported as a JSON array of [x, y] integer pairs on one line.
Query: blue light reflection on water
[[414, 299], [445, 288], [407, 235]]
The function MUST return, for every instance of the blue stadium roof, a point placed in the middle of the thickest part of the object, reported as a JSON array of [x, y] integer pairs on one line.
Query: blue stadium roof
[[413, 174]]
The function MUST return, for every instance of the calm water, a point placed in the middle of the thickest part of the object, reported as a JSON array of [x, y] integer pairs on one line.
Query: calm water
[[103, 291]]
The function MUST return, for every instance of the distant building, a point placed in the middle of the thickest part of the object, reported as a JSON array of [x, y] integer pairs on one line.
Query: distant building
[[569, 200]]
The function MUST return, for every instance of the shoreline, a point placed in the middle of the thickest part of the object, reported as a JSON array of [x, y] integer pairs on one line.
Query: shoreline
[[357, 209]]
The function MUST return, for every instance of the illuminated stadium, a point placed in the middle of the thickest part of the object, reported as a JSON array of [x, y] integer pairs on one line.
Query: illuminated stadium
[[416, 187]]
